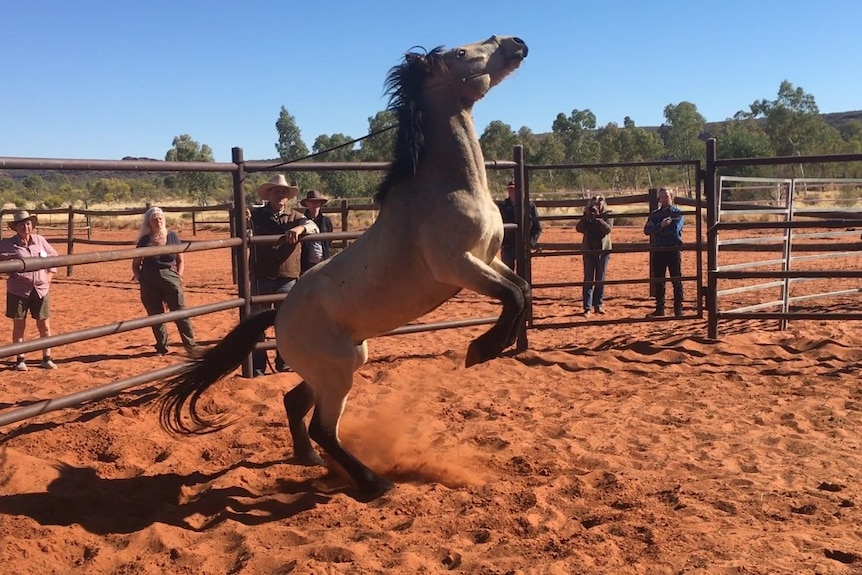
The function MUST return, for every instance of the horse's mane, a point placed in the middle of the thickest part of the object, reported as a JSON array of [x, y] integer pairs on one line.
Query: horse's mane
[[405, 85]]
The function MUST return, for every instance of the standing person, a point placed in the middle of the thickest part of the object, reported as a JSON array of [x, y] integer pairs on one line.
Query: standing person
[[664, 227], [274, 268], [315, 252], [507, 211], [28, 291], [160, 278], [596, 225]]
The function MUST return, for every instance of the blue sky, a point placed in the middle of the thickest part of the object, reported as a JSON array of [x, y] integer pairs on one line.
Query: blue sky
[[106, 79]]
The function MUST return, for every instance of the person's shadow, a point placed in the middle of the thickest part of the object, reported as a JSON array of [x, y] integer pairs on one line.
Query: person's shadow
[[105, 506]]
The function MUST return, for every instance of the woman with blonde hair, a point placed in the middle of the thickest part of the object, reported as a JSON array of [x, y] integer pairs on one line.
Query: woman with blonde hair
[[160, 278]]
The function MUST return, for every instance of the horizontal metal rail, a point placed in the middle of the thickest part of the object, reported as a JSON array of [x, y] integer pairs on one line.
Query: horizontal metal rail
[[748, 288], [92, 394], [32, 264], [115, 328], [828, 274]]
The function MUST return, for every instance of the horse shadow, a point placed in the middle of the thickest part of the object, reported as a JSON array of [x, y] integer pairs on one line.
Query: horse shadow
[[80, 496]]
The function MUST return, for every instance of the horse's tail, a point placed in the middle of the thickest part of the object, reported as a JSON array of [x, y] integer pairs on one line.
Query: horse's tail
[[218, 361]]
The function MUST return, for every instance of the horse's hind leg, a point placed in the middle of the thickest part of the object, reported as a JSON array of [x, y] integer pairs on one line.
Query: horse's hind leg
[[370, 483], [330, 398], [297, 403]]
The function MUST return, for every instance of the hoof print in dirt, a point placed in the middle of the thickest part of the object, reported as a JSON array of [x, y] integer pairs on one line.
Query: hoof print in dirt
[[452, 560], [841, 556]]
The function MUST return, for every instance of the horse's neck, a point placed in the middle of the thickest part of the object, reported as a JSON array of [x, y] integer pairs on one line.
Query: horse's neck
[[453, 151]]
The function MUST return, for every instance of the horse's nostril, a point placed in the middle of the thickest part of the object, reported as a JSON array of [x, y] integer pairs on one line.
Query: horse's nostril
[[523, 46]]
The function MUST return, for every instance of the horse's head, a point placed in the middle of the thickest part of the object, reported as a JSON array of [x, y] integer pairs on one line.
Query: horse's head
[[472, 70], [468, 71], [442, 79]]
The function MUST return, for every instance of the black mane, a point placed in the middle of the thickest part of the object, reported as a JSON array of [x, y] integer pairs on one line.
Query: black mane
[[405, 86]]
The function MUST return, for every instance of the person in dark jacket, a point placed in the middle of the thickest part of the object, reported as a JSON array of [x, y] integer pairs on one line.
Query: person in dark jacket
[[664, 227], [596, 225], [507, 211], [274, 268], [314, 252]]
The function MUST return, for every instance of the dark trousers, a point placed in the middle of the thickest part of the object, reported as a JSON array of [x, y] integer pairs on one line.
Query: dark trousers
[[595, 268], [670, 262], [507, 254], [162, 287], [262, 286]]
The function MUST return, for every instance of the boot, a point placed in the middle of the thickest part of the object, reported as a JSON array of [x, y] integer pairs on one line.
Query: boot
[[659, 312]]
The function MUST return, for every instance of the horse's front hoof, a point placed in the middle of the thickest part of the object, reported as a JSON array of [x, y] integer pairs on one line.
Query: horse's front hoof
[[370, 490], [311, 459], [476, 355]]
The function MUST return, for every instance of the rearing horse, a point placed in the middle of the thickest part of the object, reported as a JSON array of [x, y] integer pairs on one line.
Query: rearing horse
[[438, 232]]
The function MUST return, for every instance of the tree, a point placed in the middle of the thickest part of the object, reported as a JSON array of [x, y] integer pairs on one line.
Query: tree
[[33, 186], [199, 186], [851, 134], [109, 190], [577, 134], [290, 145], [497, 141], [381, 146], [681, 131], [681, 134], [548, 150], [794, 124], [743, 139], [342, 183]]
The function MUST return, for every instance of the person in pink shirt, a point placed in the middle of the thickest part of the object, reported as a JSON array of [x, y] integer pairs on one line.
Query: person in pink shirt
[[27, 291]]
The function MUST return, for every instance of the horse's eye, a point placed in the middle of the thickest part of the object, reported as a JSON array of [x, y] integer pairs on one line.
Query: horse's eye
[[462, 52]]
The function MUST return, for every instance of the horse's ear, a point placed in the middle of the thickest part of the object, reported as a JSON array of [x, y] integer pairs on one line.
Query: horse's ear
[[414, 59]]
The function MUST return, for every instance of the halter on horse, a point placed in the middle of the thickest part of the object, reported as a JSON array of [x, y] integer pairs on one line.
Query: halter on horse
[[438, 232]]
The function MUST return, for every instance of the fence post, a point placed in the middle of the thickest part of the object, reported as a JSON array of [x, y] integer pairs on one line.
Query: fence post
[[70, 236], [345, 226], [232, 231], [712, 214], [243, 285], [194, 222], [653, 205], [522, 242], [88, 222]]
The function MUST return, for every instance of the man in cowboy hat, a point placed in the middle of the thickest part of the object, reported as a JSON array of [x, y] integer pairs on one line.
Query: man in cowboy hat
[[275, 267], [28, 290], [507, 211], [315, 252]]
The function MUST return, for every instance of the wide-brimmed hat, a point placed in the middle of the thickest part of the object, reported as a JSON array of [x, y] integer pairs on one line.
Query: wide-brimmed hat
[[21, 216], [278, 181], [313, 195]]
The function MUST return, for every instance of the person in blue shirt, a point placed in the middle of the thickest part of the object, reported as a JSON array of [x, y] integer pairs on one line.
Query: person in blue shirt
[[664, 227]]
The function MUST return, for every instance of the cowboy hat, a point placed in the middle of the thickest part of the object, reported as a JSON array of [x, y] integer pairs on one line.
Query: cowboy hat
[[313, 195], [21, 216], [277, 182]]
